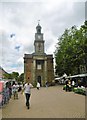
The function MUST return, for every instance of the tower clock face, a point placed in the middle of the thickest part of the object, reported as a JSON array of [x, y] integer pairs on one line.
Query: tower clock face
[[39, 37]]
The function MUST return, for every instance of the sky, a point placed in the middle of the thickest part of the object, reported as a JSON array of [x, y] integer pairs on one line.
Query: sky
[[18, 21]]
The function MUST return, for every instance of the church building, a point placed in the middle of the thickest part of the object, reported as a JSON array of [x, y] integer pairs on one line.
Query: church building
[[38, 66]]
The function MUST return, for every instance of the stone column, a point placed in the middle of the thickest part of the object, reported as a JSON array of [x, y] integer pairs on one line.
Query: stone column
[[45, 70], [25, 70], [34, 69]]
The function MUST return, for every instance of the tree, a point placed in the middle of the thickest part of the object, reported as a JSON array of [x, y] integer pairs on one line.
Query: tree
[[7, 76], [13, 75], [71, 52]]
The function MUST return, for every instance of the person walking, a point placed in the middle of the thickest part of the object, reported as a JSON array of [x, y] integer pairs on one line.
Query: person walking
[[38, 85], [46, 84], [27, 91], [73, 84], [66, 82], [15, 90]]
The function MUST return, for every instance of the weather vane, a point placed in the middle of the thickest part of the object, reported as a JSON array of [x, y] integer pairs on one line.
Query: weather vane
[[38, 22]]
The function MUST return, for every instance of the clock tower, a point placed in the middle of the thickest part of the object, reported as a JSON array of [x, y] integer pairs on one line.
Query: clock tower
[[38, 66], [39, 42]]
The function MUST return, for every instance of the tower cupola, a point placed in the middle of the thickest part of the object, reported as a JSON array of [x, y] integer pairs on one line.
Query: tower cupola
[[38, 28]]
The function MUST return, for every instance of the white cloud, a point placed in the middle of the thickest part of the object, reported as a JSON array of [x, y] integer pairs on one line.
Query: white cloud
[[20, 18]]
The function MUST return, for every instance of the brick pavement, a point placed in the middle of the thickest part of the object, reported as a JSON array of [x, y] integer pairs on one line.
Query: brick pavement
[[51, 102]]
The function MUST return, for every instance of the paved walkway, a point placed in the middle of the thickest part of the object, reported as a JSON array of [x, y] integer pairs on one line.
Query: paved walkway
[[51, 102]]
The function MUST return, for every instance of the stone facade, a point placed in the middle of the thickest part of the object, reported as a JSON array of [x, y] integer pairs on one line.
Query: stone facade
[[38, 66]]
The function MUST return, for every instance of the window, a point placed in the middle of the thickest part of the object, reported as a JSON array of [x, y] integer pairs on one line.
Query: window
[[39, 31], [39, 67]]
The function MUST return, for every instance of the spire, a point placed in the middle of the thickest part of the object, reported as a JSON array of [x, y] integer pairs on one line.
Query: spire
[[38, 22]]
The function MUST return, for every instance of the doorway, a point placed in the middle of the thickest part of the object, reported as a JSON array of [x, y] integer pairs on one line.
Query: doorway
[[39, 80]]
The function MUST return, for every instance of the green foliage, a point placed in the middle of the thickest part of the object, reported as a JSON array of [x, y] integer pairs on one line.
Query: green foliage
[[7, 76], [71, 52], [80, 91], [64, 87], [15, 75]]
